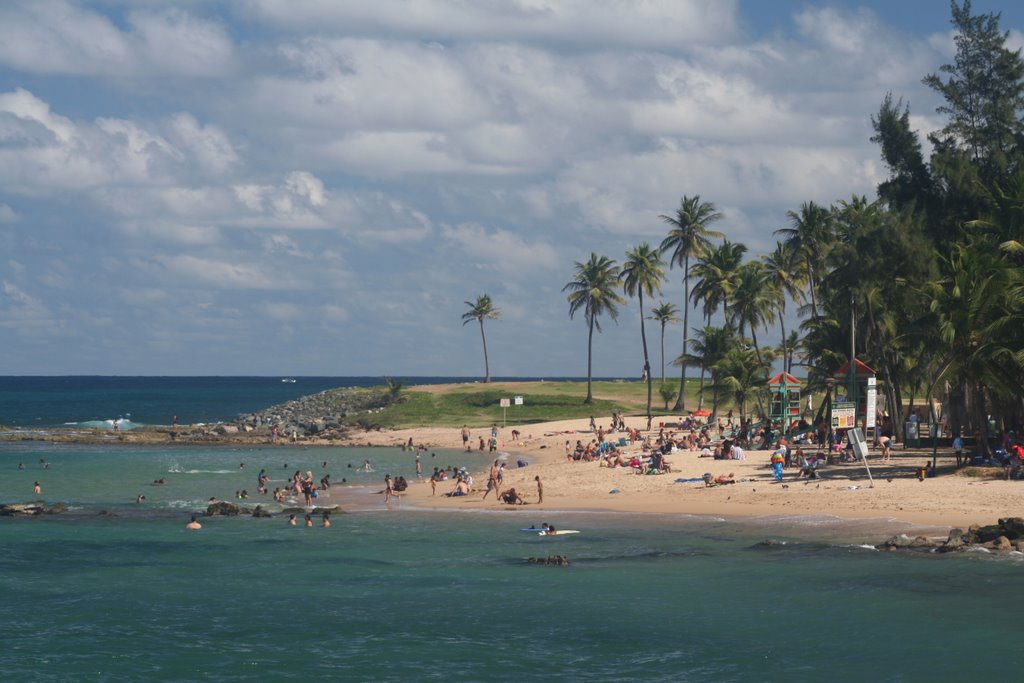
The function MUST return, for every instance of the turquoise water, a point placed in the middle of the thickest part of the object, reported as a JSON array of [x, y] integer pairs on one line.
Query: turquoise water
[[410, 595]]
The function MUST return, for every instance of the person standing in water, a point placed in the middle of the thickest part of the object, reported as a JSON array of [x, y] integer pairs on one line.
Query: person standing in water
[[193, 525], [419, 467]]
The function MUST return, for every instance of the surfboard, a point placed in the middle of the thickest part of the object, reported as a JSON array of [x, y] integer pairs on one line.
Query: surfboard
[[558, 532]]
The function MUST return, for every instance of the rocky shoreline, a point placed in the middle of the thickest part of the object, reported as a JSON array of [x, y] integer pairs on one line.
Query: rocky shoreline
[[1004, 537], [328, 418]]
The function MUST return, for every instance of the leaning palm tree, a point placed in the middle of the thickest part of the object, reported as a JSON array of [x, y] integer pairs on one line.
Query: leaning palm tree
[[688, 236], [593, 289], [480, 310], [643, 271], [664, 313]]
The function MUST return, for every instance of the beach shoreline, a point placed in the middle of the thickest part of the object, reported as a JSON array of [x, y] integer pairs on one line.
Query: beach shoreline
[[844, 491]]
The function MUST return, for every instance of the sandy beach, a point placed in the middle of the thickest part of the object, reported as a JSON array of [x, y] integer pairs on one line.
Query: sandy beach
[[950, 499]]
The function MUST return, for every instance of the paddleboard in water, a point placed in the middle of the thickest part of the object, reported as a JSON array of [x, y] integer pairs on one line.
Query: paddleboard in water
[[559, 532]]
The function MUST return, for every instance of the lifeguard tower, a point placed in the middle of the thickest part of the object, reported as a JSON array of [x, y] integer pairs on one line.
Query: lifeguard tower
[[784, 408]]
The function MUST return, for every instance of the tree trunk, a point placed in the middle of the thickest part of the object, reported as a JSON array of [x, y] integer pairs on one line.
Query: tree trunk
[[663, 355], [590, 360], [647, 362], [681, 401], [785, 348], [703, 369], [810, 281], [487, 364]]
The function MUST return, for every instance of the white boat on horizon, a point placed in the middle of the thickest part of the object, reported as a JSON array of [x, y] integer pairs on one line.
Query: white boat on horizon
[[288, 380]]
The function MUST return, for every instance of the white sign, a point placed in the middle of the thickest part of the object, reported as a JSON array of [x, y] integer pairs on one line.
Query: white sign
[[506, 402], [519, 400], [860, 447], [843, 415], [872, 406]]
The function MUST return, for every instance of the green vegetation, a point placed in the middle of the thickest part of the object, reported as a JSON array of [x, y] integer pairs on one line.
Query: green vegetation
[[478, 405], [925, 283]]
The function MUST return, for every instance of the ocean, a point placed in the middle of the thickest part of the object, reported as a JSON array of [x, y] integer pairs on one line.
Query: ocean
[[115, 590]]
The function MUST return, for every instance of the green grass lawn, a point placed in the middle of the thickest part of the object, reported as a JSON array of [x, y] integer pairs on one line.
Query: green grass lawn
[[477, 405]]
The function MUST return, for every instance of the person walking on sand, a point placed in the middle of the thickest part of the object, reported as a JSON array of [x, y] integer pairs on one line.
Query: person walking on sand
[[540, 489], [492, 481]]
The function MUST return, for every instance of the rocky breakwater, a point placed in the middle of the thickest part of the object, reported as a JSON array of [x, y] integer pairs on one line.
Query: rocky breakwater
[[328, 414], [1004, 537]]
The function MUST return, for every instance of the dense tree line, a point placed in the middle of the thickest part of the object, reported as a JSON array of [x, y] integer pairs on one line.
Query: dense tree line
[[926, 278]]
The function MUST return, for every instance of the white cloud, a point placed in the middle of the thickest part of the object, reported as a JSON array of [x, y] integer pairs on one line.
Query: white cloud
[[499, 250], [8, 215], [218, 273], [54, 37], [44, 152], [661, 23]]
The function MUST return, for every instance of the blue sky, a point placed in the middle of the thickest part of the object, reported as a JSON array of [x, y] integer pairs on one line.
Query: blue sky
[[288, 188]]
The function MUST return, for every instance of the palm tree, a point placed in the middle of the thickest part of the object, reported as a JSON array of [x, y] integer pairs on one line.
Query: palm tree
[[810, 235], [754, 301], [480, 310], [709, 346], [642, 272], [593, 289], [715, 277], [664, 313], [740, 374], [781, 267], [688, 236]]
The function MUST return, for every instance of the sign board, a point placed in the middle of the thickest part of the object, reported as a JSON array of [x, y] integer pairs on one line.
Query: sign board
[[860, 446], [506, 402], [872, 402], [519, 400], [844, 415]]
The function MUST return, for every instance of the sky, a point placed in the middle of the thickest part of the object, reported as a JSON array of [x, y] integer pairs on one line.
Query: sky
[[282, 187]]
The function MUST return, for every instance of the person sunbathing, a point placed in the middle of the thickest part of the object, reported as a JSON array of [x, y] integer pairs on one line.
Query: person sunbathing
[[710, 480]]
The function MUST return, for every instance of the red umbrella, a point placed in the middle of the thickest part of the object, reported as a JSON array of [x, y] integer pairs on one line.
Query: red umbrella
[[701, 413]]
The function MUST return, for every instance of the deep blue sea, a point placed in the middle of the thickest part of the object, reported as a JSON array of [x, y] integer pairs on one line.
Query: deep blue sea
[[117, 590], [39, 402]]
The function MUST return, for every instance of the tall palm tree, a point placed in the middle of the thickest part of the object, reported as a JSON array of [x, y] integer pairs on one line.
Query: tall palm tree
[[715, 280], [594, 290], [688, 236], [643, 271], [754, 301], [664, 313], [781, 266], [810, 234], [480, 310], [714, 274]]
